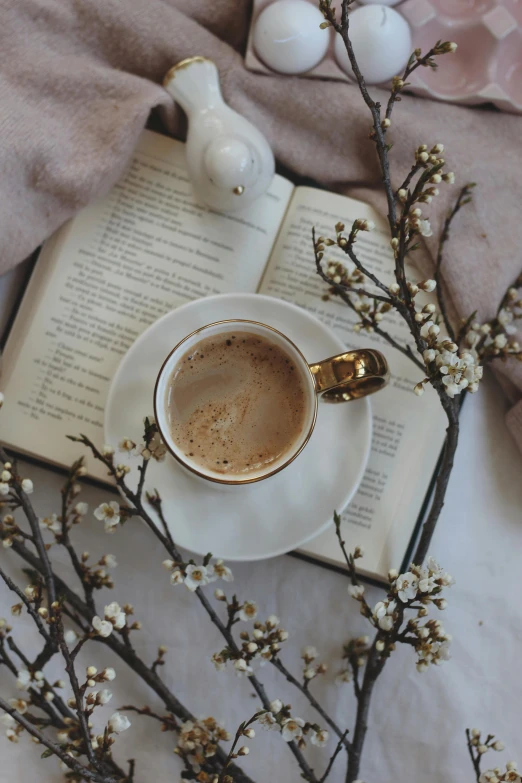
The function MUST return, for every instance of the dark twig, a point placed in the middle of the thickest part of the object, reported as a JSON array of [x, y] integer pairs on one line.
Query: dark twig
[[35, 529], [28, 605], [334, 756], [239, 733], [475, 758]]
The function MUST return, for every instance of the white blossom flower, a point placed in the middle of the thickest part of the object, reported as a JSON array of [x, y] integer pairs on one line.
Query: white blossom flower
[[426, 584], [248, 611], [4, 489], [107, 451], [386, 623], [30, 592], [276, 706], [195, 576], [406, 586], [8, 720], [109, 513], [379, 609], [109, 561], [5, 476], [114, 613], [118, 723], [345, 675], [39, 678], [70, 637], [176, 577], [20, 705], [266, 654], [218, 661], [242, 668], [425, 329], [108, 674], [219, 570], [356, 591], [127, 445], [104, 696], [272, 621], [81, 509], [268, 722], [319, 738], [27, 486], [23, 679], [51, 523], [309, 653], [291, 729], [424, 228], [102, 627]]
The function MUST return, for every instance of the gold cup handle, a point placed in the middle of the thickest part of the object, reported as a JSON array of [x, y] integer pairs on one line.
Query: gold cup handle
[[350, 375]]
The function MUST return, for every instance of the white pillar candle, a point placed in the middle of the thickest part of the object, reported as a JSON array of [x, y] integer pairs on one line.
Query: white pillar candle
[[288, 38], [381, 40]]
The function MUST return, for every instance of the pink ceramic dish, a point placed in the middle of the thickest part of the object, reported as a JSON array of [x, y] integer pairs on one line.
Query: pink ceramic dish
[[486, 68]]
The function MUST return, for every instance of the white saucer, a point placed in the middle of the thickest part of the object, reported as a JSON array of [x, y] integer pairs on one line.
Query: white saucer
[[270, 517]]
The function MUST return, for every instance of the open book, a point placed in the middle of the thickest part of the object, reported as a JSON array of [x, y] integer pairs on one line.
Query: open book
[[147, 248]]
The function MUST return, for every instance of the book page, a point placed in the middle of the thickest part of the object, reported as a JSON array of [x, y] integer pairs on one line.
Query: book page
[[117, 267], [408, 431]]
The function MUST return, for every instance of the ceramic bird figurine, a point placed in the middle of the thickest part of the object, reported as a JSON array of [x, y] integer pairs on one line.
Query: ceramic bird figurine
[[229, 161]]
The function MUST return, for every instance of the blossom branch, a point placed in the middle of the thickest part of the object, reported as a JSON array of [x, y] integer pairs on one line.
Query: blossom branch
[[243, 731], [136, 505], [478, 746], [56, 750], [313, 701], [343, 291], [130, 657], [475, 757]]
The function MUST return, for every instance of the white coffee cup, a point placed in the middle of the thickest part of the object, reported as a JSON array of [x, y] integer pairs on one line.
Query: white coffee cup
[[348, 376]]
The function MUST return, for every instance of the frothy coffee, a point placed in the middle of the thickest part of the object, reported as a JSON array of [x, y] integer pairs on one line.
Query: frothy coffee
[[236, 403]]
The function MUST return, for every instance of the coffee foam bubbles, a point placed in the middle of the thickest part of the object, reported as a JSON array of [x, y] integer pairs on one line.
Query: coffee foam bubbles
[[236, 403]]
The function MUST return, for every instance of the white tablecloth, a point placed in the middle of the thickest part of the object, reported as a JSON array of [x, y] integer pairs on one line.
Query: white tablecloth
[[417, 721]]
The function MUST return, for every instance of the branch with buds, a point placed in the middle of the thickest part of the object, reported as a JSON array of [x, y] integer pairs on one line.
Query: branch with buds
[[478, 746], [450, 358]]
